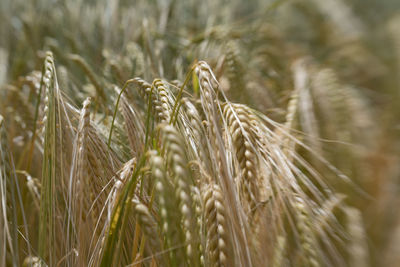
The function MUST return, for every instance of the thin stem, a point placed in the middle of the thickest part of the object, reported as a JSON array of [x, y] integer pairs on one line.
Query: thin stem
[[179, 96], [35, 121], [116, 108]]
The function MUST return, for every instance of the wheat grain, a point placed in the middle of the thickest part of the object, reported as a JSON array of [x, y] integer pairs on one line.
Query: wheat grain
[[176, 159], [218, 243], [307, 238], [239, 128], [148, 224], [170, 219]]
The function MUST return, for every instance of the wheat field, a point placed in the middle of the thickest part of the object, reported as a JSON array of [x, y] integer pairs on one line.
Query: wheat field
[[200, 133]]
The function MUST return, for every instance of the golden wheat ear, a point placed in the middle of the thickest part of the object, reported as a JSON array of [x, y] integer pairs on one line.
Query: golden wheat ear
[[176, 159], [48, 192], [79, 190], [239, 127], [170, 219], [218, 243]]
